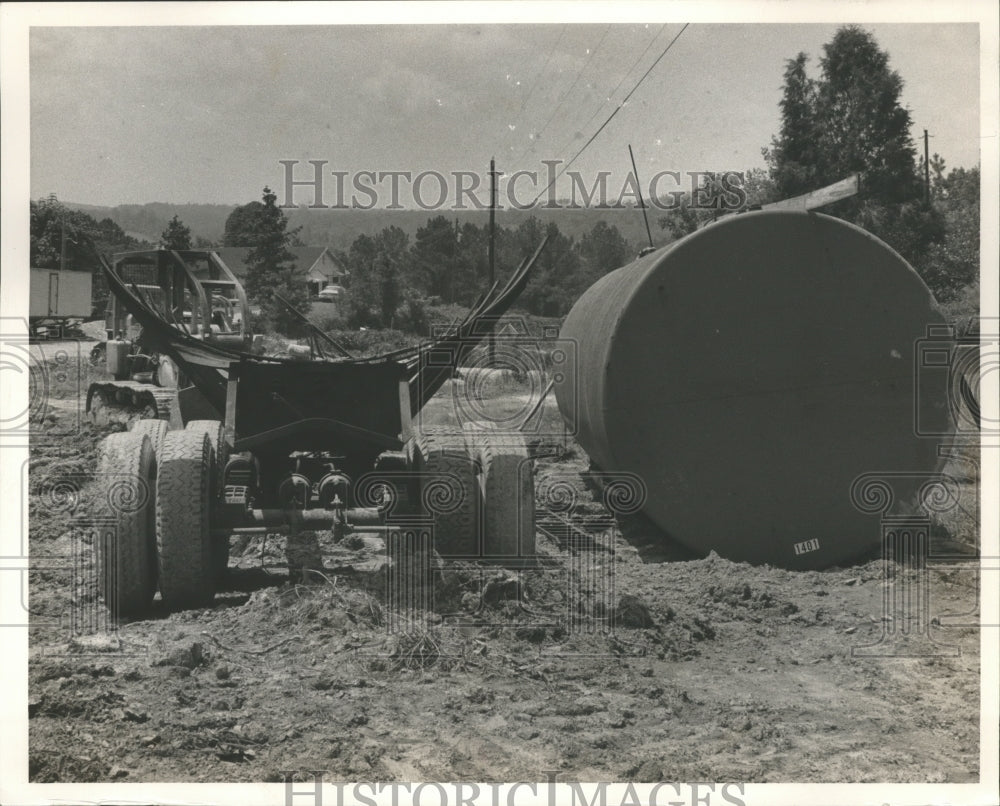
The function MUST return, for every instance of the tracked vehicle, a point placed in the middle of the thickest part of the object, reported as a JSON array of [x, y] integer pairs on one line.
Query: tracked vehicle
[[192, 291]]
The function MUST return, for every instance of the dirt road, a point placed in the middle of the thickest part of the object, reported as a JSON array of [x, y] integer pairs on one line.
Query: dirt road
[[601, 663]]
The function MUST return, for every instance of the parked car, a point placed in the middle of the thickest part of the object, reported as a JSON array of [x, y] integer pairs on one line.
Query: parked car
[[331, 293]]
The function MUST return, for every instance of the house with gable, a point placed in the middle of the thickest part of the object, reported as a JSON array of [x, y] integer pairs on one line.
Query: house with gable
[[318, 265]]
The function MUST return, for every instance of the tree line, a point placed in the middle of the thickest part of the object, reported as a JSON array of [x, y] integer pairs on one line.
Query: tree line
[[393, 278], [849, 119], [448, 264]]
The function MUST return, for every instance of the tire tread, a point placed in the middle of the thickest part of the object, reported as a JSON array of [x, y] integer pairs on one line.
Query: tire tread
[[182, 522]]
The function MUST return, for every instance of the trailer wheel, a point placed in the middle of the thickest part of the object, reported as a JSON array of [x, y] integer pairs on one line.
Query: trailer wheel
[[126, 555], [156, 430], [449, 490], [183, 488], [508, 491], [220, 455]]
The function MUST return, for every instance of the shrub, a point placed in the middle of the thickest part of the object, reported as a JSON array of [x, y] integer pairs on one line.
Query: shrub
[[326, 317], [412, 317]]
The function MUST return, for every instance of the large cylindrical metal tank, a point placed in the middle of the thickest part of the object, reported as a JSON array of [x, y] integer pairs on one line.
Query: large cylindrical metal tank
[[749, 374]]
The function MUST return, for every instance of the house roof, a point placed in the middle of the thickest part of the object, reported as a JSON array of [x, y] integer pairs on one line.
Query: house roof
[[306, 258]]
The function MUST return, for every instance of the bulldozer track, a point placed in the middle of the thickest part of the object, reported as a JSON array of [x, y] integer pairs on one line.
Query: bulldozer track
[[126, 398]]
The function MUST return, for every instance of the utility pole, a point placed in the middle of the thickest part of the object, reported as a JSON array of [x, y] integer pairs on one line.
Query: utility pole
[[642, 203], [492, 248], [927, 172], [62, 240]]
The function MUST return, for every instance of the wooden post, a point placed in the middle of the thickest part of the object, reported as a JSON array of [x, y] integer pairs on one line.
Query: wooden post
[[492, 248], [927, 172], [62, 240]]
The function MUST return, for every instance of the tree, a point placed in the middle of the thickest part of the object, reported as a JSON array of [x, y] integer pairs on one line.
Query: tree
[[435, 255], [271, 267], [387, 278], [952, 265], [472, 275], [244, 224], [61, 237], [360, 261], [687, 216], [794, 151], [601, 250], [555, 282], [860, 124], [176, 235], [684, 219], [759, 186], [392, 247], [378, 269], [851, 121]]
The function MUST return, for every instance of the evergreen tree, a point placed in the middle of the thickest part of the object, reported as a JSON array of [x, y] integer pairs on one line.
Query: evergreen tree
[[243, 225], [860, 124], [794, 150], [851, 121], [271, 268], [389, 285], [176, 235]]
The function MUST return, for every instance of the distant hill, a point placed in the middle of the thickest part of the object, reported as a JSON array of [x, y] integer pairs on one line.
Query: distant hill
[[147, 221], [339, 228]]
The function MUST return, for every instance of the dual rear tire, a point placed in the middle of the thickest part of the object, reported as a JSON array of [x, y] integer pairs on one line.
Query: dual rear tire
[[183, 541], [126, 542], [213, 429], [159, 490], [479, 487]]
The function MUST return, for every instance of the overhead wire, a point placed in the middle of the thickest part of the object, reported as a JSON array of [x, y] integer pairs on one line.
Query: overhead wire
[[531, 90], [568, 92], [611, 94], [612, 115]]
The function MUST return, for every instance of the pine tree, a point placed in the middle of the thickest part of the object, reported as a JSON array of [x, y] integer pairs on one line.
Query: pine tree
[[860, 124], [795, 150], [271, 268], [243, 225], [851, 121], [176, 235]]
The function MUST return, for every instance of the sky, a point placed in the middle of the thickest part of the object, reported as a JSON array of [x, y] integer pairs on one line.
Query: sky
[[128, 115]]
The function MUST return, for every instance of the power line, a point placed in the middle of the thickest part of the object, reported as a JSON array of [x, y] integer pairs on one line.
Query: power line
[[568, 92], [611, 94], [658, 58], [534, 84], [617, 109]]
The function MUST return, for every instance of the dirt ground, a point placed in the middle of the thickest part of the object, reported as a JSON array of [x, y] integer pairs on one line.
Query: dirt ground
[[601, 662]]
